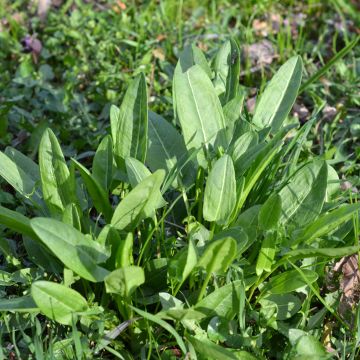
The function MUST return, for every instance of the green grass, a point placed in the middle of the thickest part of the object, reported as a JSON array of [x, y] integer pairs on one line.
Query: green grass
[[161, 223]]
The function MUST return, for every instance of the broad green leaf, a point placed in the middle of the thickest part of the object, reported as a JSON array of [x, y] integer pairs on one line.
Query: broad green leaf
[[279, 95], [125, 280], [129, 124], [164, 325], [181, 314], [267, 253], [333, 185], [242, 144], [220, 191], [199, 110], [222, 302], [289, 281], [57, 301], [238, 234], [218, 255], [24, 162], [16, 221], [308, 347], [227, 71], [287, 305], [232, 112], [97, 193], [19, 304], [75, 250], [121, 249], [18, 178], [57, 185], [167, 149], [192, 55], [303, 197], [182, 264], [124, 252], [72, 216], [136, 171], [209, 350], [326, 223], [270, 213], [262, 160], [40, 255], [323, 252], [102, 167], [140, 203]]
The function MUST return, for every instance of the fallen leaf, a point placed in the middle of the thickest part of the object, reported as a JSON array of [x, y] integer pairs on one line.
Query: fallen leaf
[[158, 53], [250, 104], [329, 112], [300, 111], [260, 27], [161, 37], [349, 286], [261, 53]]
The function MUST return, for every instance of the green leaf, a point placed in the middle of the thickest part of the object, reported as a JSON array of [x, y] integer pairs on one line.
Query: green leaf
[[303, 197], [267, 253], [102, 168], [263, 159], [222, 302], [129, 124], [308, 347], [57, 302], [218, 255], [289, 281], [238, 234], [16, 221], [227, 71], [279, 95], [270, 213], [57, 185], [136, 171], [220, 191], [140, 203], [182, 264], [72, 216], [164, 325], [209, 350], [167, 149], [192, 55], [24, 162], [97, 193], [125, 280], [19, 304], [323, 252], [199, 110], [326, 223], [232, 112], [242, 144], [75, 250], [20, 180], [287, 305]]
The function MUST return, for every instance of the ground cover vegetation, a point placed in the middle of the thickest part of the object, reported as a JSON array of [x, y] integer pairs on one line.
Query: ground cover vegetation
[[179, 180]]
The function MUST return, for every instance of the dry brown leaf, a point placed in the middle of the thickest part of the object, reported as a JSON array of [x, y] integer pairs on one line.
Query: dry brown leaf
[[250, 104], [158, 53], [300, 111], [349, 285], [261, 53], [260, 27]]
